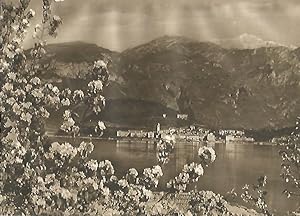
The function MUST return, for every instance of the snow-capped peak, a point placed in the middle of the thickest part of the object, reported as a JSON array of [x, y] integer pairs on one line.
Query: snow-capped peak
[[249, 41]]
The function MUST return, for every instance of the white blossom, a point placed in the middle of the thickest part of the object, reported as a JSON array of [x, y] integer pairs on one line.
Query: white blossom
[[101, 125], [99, 64], [35, 81], [7, 87], [92, 165], [65, 102], [12, 75], [26, 117]]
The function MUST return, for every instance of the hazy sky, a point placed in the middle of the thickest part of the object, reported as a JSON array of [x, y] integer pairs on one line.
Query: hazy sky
[[119, 24]]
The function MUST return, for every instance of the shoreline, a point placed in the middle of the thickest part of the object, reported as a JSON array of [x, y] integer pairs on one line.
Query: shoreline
[[150, 140]]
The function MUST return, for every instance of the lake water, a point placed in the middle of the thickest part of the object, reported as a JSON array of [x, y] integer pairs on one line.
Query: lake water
[[237, 164]]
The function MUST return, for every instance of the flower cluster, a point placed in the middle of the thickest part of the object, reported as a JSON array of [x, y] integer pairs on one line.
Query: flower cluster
[[130, 194], [207, 155], [207, 203], [193, 171], [100, 127], [106, 169], [68, 125], [78, 96], [99, 72], [50, 94], [97, 102], [64, 151], [190, 173], [85, 149], [95, 87], [164, 149], [132, 176], [129, 199], [99, 76], [151, 176]]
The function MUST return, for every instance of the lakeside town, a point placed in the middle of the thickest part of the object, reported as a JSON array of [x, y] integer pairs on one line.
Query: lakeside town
[[181, 128], [190, 133]]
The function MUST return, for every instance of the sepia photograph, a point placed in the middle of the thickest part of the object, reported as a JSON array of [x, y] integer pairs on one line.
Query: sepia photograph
[[150, 107]]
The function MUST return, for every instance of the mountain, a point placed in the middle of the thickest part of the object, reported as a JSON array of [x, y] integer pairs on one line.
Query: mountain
[[218, 87], [72, 59], [248, 41], [251, 88], [68, 66]]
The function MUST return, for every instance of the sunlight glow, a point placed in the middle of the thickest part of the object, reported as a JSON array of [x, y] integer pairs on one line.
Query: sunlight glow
[[112, 28], [202, 26], [172, 21], [119, 24]]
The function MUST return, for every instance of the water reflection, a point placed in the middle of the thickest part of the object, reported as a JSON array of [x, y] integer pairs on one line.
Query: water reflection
[[237, 164]]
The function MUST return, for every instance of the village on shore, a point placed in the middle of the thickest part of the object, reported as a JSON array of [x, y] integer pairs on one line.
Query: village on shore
[[182, 131], [190, 133]]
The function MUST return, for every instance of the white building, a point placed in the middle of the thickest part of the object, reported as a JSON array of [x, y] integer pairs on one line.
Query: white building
[[182, 116], [123, 133]]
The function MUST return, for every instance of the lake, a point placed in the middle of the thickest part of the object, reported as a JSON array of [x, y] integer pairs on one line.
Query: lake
[[237, 164]]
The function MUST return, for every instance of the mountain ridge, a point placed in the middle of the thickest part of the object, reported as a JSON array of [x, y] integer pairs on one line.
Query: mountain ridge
[[218, 87]]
